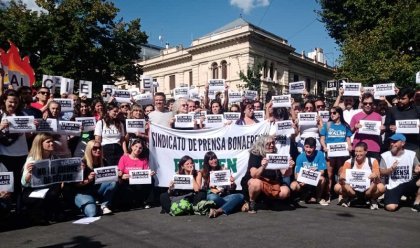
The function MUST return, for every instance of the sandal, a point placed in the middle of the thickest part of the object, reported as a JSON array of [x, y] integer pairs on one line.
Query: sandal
[[245, 207], [212, 213]]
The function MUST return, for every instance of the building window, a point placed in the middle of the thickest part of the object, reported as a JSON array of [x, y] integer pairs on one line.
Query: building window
[[190, 77], [171, 82], [215, 70], [224, 69], [295, 78], [265, 69], [272, 71]]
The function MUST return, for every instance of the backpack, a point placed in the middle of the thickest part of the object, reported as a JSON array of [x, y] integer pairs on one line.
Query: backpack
[[369, 162], [181, 207]]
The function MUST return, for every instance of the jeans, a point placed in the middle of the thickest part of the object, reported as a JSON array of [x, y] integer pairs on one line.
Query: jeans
[[228, 203], [86, 202]]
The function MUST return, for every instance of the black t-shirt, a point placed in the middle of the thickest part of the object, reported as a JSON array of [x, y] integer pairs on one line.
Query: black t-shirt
[[255, 162]]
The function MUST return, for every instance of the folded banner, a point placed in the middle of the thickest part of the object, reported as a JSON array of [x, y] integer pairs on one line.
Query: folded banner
[[231, 144]]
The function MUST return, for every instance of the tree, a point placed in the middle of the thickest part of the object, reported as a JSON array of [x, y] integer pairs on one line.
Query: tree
[[378, 39], [78, 39], [252, 77]]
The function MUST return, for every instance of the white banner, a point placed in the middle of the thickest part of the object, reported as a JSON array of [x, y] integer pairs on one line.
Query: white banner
[[88, 123], [21, 124], [122, 96], [370, 127], [220, 178], [85, 88], [297, 87], [140, 177], [69, 128], [231, 144], [66, 104], [183, 181], [384, 89], [307, 119], [277, 161], [352, 89], [358, 179], [106, 174], [135, 125], [217, 85], [281, 101], [6, 182], [338, 149], [308, 176], [407, 126]]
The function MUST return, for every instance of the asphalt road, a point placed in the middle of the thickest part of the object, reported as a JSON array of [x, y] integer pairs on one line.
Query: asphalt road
[[309, 226]]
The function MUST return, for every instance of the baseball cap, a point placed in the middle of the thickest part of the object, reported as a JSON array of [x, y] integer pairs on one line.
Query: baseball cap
[[398, 137]]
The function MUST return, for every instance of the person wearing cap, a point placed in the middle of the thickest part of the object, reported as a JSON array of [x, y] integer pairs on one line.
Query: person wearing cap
[[403, 169]]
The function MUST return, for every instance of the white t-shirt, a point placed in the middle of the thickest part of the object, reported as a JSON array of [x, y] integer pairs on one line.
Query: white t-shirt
[[160, 118], [348, 114], [110, 135], [404, 172]]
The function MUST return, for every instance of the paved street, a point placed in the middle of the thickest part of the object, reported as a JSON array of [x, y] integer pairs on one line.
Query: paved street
[[310, 226]]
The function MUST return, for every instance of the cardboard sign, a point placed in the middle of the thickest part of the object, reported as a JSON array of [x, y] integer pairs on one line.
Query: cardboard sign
[[231, 116], [183, 181], [144, 99], [358, 179], [250, 94], [407, 126], [50, 82], [211, 94], [135, 125], [297, 87], [324, 115], [147, 83], [85, 88], [46, 172], [108, 88], [332, 85], [217, 84], [338, 150], [281, 101], [46, 126], [308, 176], [259, 115], [66, 86], [193, 95], [352, 89], [106, 174], [214, 121], [220, 178], [234, 96], [184, 121], [140, 177], [370, 127], [384, 89], [284, 127], [66, 104], [6, 182], [181, 92], [122, 96], [69, 128], [277, 161], [88, 123], [21, 124], [307, 119]]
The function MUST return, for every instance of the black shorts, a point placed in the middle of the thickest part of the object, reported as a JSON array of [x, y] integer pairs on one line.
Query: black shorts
[[393, 196]]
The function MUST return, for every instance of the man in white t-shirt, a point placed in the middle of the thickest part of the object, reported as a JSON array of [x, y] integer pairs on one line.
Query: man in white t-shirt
[[346, 105], [160, 115], [403, 169]]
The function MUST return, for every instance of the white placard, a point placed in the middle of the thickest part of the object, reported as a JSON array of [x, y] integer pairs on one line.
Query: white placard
[[21, 124], [50, 82], [370, 127], [407, 126], [144, 99], [39, 193], [66, 86], [45, 126], [231, 116], [211, 94], [418, 77], [183, 181], [250, 94], [135, 125], [184, 121], [307, 119], [108, 88], [370, 90], [220, 178], [214, 121], [86, 220], [297, 87], [181, 92], [66, 104], [147, 83], [281, 101], [358, 179], [338, 150], [85, 88], [193, 94], [308, 176], [284, 127], [6, 182], [384, 89], [234, 96], [88, 123], [324, 115], [122, 96], [106, 174], [277, 161], [352, 89], [259, 115], [140, 177], [217, 84], [69, 128], [46, 172]]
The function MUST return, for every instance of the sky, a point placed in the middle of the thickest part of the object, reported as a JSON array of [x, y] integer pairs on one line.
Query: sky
[[181, 21]]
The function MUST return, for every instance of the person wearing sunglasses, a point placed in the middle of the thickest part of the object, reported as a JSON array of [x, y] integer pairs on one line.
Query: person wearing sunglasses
[[180, 106], [43, 98], [25, 94]]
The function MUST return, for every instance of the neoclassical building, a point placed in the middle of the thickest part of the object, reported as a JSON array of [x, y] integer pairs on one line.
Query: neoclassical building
[[233, 48]]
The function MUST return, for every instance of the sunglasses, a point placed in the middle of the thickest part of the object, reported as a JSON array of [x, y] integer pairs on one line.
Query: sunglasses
[[96, 148], [320, 106], [333, 113], [367, 103], [124, 106], [44, 93]]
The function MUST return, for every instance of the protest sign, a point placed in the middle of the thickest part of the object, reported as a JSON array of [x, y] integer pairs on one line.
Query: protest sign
[[297, 87], [332, 85], [337, 149], [307, 119], [46, 172], [88, 123], [358, 179], [106, 174], [217, 84], [281, 101], [407, 126], [352, 89], [122, 96], [193, 94], [50, 82], [259, 115], [308, 176], [212, 94], [45, 126], [234, 96], [66, 86], [370, 90], [250, 94], [184, 121], [147, 83], [181, 92], [220, 178], [214, 121], [183, 181], [134, 92], [69, 128], [370, 127], [324, 115], [135, 125], [231, 116], [384, 89], [85, 88], [418, 77], [6, 182], [108, 88], [277, 161], [144, 99], [140, 177], [66, 104], [21, 124], [284, 127]]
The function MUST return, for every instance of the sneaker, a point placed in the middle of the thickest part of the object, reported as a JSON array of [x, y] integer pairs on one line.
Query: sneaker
[[416, 207], [344, 203], [252, 207], [147, 206], [323, 202], [106, 210], [374, 205]]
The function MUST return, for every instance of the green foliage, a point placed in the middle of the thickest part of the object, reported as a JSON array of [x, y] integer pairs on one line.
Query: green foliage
[[78, 39], [252, 77], [378, 39]]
